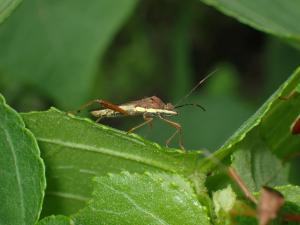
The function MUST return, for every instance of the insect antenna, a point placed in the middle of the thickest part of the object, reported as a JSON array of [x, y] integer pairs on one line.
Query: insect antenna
[[191, 104], [196, 86]]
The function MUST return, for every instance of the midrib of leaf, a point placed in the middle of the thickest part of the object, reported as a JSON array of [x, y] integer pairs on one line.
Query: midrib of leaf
[[139, 208], [110, 152], [18, 177]]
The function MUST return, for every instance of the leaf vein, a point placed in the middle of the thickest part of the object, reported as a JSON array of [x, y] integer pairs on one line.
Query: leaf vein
[[18, 176], [133, 157], [135, 204]]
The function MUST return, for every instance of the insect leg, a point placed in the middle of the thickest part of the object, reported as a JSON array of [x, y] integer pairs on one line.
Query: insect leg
[[113, 107], [99, 118], [178, 130], [148, 120], [104, 104]]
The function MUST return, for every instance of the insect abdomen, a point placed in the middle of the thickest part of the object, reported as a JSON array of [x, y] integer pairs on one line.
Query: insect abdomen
[[105, 113]]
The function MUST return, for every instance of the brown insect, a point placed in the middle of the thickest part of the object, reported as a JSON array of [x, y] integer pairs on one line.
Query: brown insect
[[149, 108]]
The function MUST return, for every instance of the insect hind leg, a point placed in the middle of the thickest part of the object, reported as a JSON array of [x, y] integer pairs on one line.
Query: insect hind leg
[[103, 103], [178, 131]]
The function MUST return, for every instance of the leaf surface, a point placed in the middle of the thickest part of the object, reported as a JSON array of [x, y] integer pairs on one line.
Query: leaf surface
[[56, 220], [76, 149], [6, 8], [291, 194], [22, 171], [142, 199], [276, 17], [266, 138], [57, 43]]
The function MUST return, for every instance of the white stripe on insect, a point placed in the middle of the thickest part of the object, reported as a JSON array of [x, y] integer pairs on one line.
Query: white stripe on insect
[[155, 111]]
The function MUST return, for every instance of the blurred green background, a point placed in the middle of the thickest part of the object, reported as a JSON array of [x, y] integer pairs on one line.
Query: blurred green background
[[65, 53]]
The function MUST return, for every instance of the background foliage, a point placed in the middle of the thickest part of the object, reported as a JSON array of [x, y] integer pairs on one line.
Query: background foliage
[[64, 53]]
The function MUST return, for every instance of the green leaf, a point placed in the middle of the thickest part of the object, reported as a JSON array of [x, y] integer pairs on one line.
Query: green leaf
[[22, 171], [257, 165], [76, 149], [264, 141], [291, 194], [57, 43], [6, 8], [142, 199], [270, 125], [56, 220], [276, 17]]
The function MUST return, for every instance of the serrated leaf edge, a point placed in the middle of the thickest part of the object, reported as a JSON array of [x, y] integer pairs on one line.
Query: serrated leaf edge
[[21, 124]]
